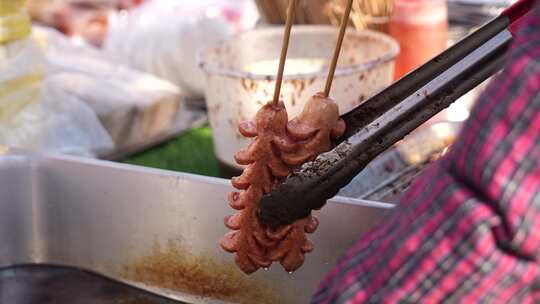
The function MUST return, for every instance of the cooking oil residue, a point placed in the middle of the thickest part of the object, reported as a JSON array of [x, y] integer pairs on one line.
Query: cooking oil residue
[[175, 268]]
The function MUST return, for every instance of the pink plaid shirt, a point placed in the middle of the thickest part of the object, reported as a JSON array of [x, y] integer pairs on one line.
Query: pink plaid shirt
[[468, 230]]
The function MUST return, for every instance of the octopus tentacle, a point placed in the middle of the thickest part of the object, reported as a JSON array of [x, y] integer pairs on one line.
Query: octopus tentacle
[[279, 233], [301, 131], [235, 200], [285, 144], [245, 263], [297, 159], [243, 181], [278, 168], [244, 157], [234, 221], [260, 261], [247, 129], [339, 129], [312, 224], [292, 260], [229, 242], [308, 246]]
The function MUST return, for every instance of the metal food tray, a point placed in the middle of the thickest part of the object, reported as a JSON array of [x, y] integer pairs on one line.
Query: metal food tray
[[151, 228]]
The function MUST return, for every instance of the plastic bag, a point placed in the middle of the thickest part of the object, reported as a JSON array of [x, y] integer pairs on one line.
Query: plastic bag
[[132, 105], [55, 122], [59, 123], [73, 127], [163, 37], [35, 114]]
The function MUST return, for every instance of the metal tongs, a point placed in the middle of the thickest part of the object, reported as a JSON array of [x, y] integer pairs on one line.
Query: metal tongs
[[389, 116]]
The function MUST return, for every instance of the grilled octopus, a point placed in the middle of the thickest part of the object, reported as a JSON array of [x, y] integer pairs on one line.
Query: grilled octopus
[[278, 148]]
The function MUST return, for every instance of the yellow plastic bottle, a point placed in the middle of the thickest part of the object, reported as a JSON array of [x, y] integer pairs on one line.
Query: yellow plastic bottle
[[21, 66], [15, 23]]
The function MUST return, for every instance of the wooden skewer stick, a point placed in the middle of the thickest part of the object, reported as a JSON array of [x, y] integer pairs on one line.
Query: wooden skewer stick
[[290, 18], [344, 23]]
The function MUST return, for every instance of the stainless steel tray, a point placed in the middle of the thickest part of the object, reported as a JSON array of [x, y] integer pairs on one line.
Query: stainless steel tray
[[153, 228]]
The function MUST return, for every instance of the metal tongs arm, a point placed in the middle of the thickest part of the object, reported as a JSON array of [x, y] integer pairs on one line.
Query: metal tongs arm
[[389, 116]]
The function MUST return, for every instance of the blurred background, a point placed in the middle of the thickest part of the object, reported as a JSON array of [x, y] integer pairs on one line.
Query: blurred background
[[164, 83]]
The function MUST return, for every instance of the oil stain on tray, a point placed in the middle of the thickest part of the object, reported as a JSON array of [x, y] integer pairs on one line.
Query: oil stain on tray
[[175, 268]]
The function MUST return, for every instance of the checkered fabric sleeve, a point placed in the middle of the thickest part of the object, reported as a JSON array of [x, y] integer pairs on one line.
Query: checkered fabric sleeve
[[468, 230]]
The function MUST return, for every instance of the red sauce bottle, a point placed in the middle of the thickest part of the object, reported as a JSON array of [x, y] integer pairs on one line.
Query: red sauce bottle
[[421, 28]]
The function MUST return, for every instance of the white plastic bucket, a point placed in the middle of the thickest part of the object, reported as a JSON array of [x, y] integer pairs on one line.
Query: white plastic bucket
[[241, 74]]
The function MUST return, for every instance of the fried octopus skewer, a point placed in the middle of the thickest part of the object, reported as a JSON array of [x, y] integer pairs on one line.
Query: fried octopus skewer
[[278, 148]]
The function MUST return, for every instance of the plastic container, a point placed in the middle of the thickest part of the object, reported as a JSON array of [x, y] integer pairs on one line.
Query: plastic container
[[241, 74], [421, 28]]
